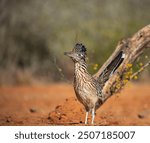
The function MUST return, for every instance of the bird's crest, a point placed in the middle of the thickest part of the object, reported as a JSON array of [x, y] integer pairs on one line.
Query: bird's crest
[[79, 47]]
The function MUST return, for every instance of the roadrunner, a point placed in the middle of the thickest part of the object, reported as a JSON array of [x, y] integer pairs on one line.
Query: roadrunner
[[93, 91]]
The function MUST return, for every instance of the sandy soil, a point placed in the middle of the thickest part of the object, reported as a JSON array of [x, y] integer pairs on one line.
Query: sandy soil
[[56, 104]]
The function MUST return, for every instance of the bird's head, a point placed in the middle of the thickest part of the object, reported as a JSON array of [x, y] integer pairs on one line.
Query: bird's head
[[78, 53]]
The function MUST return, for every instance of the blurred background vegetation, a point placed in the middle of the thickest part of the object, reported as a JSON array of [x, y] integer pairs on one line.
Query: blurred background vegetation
[[34, 35]]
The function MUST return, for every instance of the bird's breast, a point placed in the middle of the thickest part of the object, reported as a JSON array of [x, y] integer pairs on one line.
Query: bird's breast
[[85, 91]]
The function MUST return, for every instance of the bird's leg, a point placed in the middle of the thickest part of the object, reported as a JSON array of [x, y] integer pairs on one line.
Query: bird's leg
[[86, 117], [93, 115]]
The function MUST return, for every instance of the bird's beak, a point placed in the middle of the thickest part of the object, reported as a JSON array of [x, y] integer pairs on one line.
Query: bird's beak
[[69, 54]]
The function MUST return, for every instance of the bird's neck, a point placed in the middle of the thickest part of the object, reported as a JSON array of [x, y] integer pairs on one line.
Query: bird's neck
[[80, 70]]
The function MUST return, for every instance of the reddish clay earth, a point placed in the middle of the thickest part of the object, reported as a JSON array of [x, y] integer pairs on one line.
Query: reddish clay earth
[[56, 104]]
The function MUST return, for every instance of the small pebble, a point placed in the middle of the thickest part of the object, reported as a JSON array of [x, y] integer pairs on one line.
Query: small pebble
[[33, 110], [8, 119], [140, 116], [81, 122]]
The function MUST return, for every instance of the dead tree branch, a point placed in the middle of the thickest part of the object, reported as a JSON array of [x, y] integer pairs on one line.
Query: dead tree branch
[[133, 47]]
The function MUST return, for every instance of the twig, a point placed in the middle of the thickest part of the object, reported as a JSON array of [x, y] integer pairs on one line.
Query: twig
[[140, 70], [58, 68], [62, 76]]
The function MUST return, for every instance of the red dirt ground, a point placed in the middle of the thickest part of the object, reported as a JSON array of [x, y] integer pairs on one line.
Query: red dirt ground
[[56, 104]]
